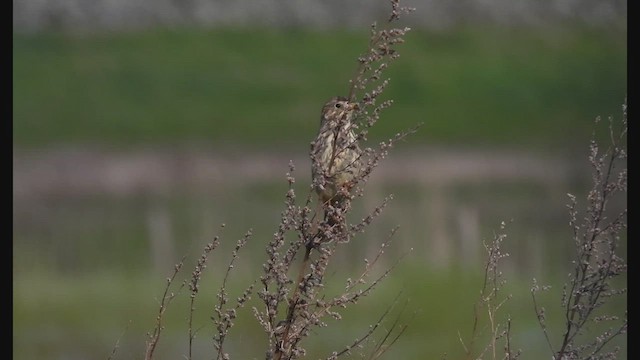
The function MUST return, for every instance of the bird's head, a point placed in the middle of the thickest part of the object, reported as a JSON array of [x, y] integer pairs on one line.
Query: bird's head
[[338, 110]]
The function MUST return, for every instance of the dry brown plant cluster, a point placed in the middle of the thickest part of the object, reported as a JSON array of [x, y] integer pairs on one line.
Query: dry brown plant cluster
[[291, 290], [491, 301], [597, 277], [290, 296], [597, 235]]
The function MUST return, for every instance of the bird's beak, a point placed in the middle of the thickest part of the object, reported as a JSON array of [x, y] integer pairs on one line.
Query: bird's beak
[[355, 106]]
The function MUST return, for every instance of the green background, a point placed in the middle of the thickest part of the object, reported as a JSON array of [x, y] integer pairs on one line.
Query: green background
[[83, 278]]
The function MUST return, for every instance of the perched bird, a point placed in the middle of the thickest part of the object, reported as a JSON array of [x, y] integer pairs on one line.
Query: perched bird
[[335, 154]]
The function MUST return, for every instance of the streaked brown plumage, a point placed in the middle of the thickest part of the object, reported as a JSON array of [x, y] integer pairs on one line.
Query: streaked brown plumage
[[335, 151]]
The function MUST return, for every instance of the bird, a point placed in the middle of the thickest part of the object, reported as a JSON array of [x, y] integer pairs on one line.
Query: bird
[[335, 154], [335, 164]]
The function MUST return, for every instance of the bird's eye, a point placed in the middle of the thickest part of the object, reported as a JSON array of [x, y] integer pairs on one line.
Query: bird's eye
[[338, 105]]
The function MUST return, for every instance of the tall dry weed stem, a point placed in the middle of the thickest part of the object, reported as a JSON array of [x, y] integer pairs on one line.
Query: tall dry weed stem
[[589, 326], [291, 296], [597, 234], [490, 302]]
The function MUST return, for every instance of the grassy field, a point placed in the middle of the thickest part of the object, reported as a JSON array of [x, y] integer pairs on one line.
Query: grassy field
[[90, 316], [84, 271], [476, 86]]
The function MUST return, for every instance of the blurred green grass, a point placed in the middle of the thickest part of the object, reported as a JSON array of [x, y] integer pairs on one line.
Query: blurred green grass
[[472, 86], [260, 88], [85, 316], [86, 279]]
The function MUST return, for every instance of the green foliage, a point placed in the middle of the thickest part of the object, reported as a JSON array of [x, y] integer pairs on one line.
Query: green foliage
[[265, 87]]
